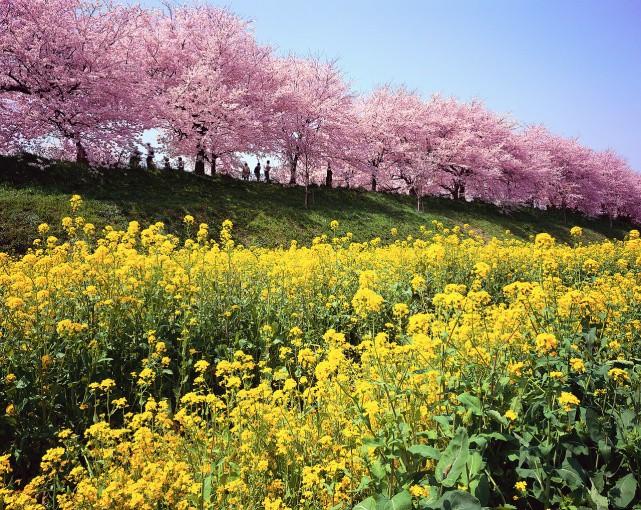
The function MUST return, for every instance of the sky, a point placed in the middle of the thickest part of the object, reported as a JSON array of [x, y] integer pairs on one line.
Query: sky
[[571, 65]]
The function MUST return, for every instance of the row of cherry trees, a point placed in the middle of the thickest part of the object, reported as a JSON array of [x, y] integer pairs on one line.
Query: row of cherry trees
[[84, 79]]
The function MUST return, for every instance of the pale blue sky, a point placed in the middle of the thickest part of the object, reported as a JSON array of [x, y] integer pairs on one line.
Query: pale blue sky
[[572, 65]]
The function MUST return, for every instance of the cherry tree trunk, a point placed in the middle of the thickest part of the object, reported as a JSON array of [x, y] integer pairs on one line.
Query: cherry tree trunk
[[199, 167], [81, 154], [292, 173], [458, 191], [214, 159], [308, 192], [328, 178]]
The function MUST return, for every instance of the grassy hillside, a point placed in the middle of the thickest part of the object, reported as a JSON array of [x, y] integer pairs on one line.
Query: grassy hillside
[[33, 191]]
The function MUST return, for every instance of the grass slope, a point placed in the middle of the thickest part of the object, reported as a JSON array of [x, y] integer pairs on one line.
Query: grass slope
[[33, 191]]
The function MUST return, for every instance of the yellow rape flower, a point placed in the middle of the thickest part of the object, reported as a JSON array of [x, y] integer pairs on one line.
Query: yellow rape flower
[[577, 365], [510, 415], [400, 310], [419, 491], [568, 401], [544, 240], [75, 202], [201, 366], [482, 269], [43, 229], [366, 301], [418, 283], [546, 343], [107, 385], [619, 376]]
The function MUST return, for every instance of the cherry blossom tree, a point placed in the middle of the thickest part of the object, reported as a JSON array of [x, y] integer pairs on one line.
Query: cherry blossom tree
[[213, 83], [466, 147], [19, 130], [72, 67], [84, 78], [617, 185], [568, 169], [522, 176], [309, 117], [388, 124]]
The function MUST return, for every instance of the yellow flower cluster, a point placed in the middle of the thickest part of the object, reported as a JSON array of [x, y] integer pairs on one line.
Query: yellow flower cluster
[[568, 401], [234, 377]]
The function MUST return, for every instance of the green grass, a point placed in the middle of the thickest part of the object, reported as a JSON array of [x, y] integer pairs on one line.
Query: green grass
[[265, 215]]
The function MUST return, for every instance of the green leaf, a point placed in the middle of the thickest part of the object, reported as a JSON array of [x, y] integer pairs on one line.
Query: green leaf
[[471, 402], [623, 491], [444, 421], [595, 429], [475, 465], [400, 501], [479, 440], [571, 479], [453, 459], [601, 502], [480, 488], [572, 473], [378, 470], [498, 417], [628, 417], [365, 481], [366, 504], [457, 500], [374, 442], [427, 452], [497, 435], [598, 480], [429, 434], [605, 450], [207, 489]]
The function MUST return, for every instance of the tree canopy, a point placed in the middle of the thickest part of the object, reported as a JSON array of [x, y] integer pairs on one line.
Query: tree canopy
[[84, 80]]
